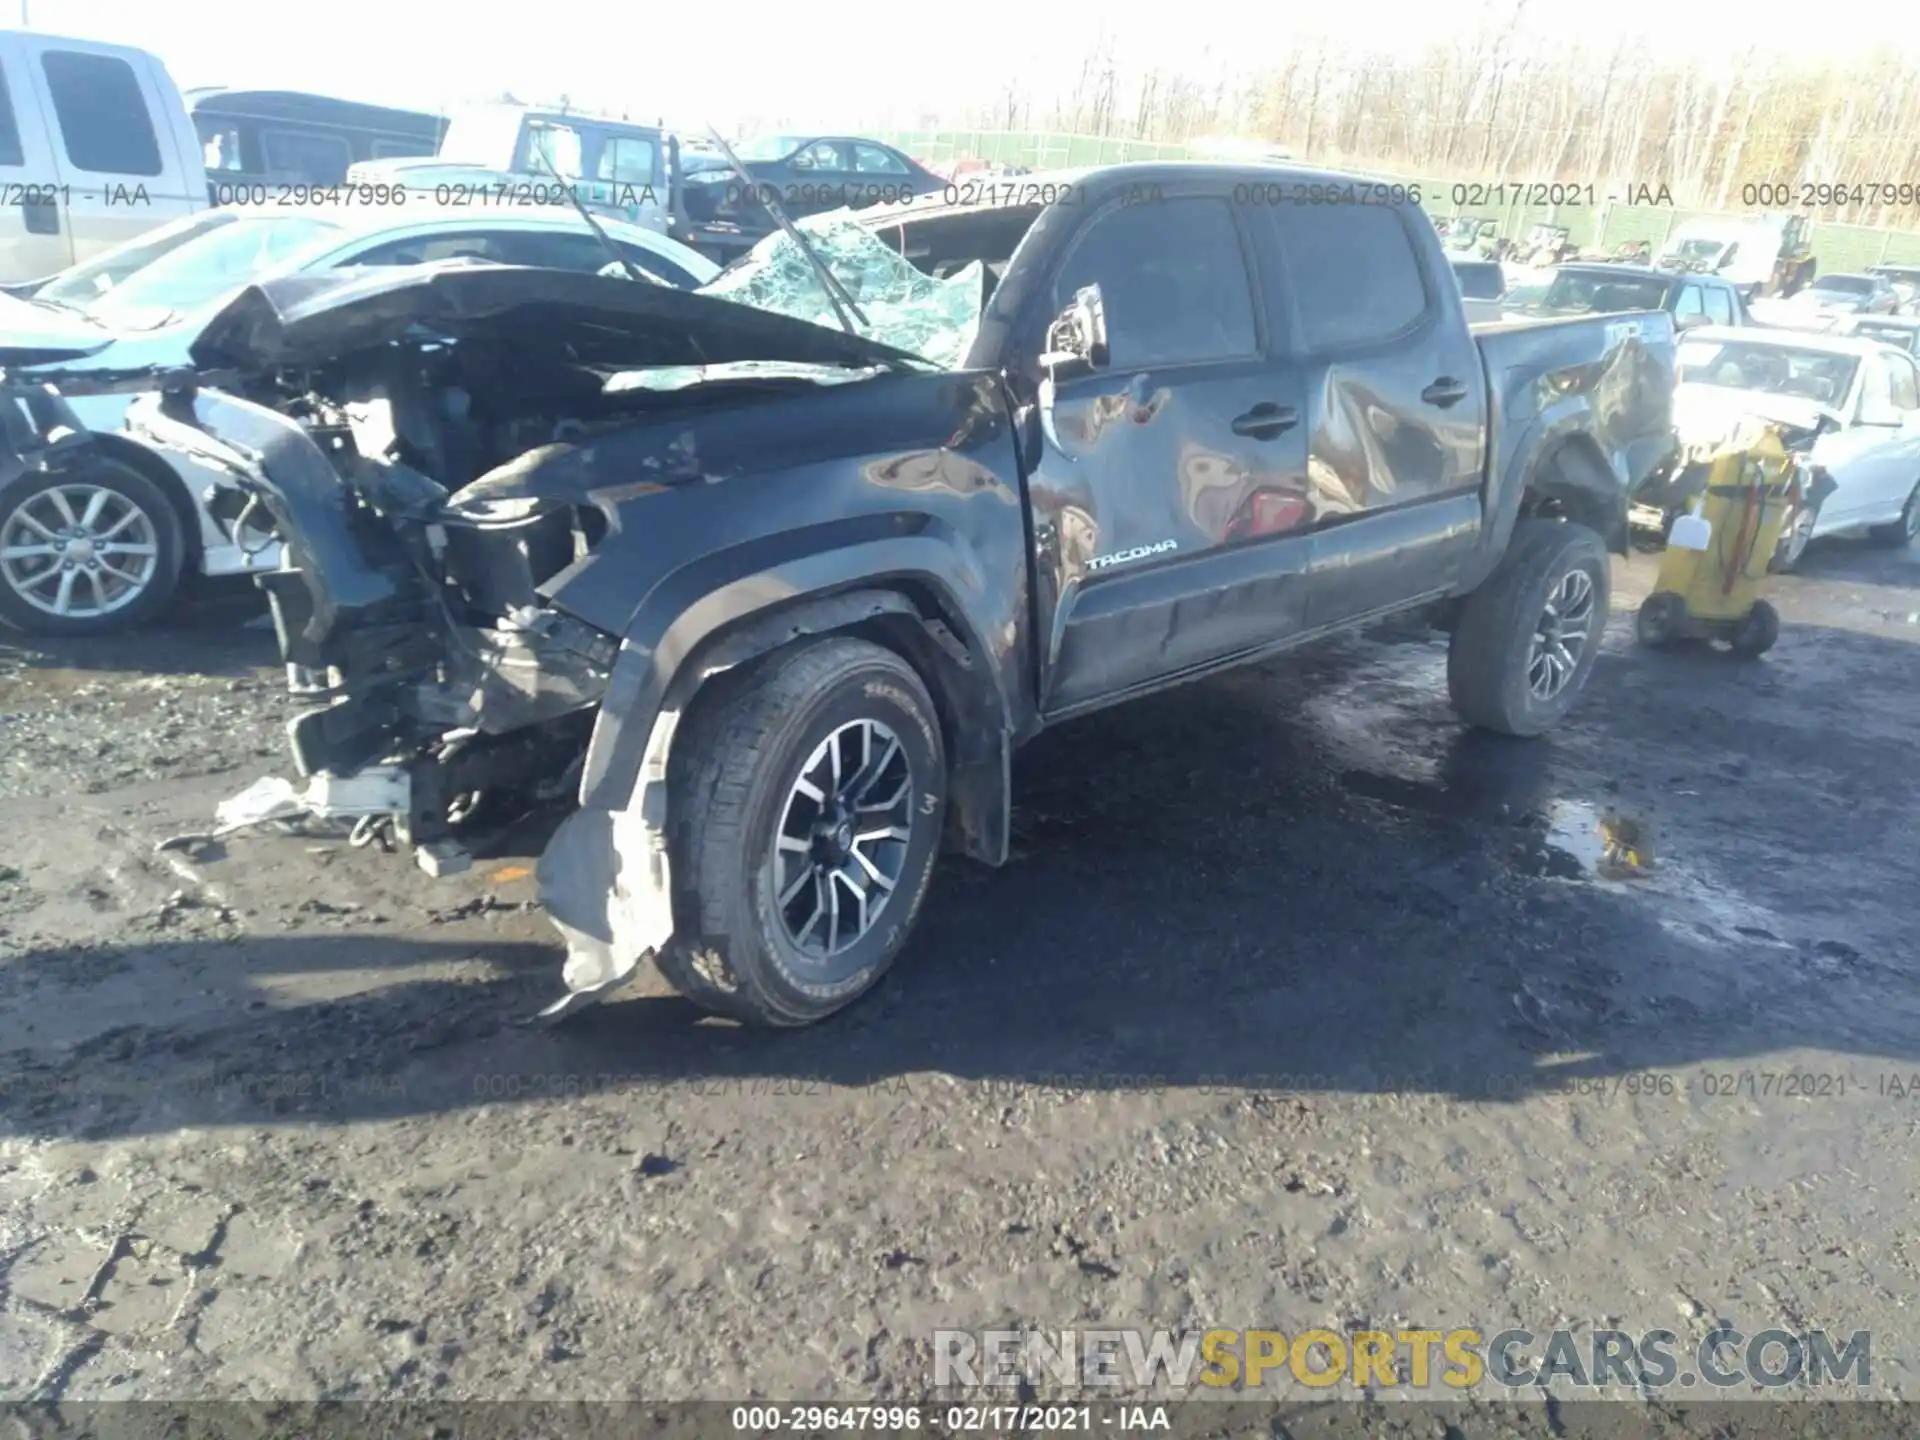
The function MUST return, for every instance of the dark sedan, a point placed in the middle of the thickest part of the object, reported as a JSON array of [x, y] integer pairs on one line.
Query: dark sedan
[[1605, 287], [805, 174]]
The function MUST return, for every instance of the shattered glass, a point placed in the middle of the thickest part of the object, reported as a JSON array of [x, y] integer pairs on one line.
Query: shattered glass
[[935, 319]]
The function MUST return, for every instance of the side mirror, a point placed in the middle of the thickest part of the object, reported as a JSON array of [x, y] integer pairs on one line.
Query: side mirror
[[1077, 338]]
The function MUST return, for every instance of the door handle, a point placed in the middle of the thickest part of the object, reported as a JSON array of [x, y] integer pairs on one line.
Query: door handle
[[1266, 421], [1444, 392]]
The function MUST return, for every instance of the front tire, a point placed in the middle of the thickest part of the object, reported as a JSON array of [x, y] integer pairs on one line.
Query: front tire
[[805, 814], [1528, 637], [87, 551]]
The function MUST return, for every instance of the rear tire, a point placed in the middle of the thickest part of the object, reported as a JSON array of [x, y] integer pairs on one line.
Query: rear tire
[[853, 722], [1902, 531], [1528, 636]]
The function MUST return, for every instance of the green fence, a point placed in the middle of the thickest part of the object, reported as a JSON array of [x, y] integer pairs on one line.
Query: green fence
[[1599, 226]]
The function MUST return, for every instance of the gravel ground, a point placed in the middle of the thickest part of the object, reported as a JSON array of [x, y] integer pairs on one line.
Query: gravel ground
[[1297, 1006]]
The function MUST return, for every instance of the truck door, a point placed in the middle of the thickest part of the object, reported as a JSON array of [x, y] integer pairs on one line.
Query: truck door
[[35, 239], [112, 132], [1395, 404], [630, 178], [1171, 484]]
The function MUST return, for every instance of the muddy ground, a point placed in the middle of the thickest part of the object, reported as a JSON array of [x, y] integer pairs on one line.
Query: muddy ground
[[1297, 1006]]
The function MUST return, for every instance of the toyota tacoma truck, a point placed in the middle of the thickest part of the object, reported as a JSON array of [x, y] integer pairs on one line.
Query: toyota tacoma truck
[[773, 601]]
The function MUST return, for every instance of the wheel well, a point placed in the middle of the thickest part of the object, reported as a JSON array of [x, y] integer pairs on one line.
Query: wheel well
[[910, 621], [1575, 483], [164, 478]]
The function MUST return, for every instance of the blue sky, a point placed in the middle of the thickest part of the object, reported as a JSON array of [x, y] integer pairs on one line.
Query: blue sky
[[840, 63]]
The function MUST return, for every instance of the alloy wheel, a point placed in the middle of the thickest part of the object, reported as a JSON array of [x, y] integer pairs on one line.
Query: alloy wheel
[[1561, 635], [79, 551], [841, 845]]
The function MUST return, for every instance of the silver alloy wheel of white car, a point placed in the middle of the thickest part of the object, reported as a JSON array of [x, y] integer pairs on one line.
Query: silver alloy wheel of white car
[[78, 551]]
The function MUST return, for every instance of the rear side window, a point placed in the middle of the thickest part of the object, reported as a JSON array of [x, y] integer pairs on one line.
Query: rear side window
[[626, 160], [1173, 279], [102, 113], [1719, 305], [872, 160], [1356, 276], [305, 156], [10, 151]]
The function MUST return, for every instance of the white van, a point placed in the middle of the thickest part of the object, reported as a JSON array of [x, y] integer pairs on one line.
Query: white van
[[95, 147]]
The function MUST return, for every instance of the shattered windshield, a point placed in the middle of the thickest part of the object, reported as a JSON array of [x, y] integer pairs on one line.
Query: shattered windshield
[[1818, 375], [935, 319], [1589, 290]]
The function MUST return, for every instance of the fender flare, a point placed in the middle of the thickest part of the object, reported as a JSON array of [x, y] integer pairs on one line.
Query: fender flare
[[904, 591], [606, 878], [1560, 447]]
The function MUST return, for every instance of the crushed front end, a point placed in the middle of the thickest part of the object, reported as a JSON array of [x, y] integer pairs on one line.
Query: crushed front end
[[447, 458], [430, 670]]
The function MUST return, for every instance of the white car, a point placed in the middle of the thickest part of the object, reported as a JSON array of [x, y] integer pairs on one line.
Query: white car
[[104, 549], [1867, 391]]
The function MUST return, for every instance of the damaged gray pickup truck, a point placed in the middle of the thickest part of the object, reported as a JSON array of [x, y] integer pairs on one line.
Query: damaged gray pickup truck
[[777, 601]]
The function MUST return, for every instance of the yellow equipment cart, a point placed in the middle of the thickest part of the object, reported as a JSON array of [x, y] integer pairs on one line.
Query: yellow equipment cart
[[1717, 557]]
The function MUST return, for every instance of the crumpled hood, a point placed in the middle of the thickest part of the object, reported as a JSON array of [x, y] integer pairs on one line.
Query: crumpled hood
[[35, 335], [312, 320], [1709, 414]]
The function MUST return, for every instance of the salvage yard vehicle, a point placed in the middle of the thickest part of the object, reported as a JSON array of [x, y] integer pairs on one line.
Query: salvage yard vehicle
[[255, 141], [1834, 298], [493, 154], [1763, 256], [1469, 236], [1548, 245], [1483, 283], [95, 147], [1598, 287], [137, 519], [804, 175], [1900, 331], [1863, 397], [1905, 280], [779, 601]]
